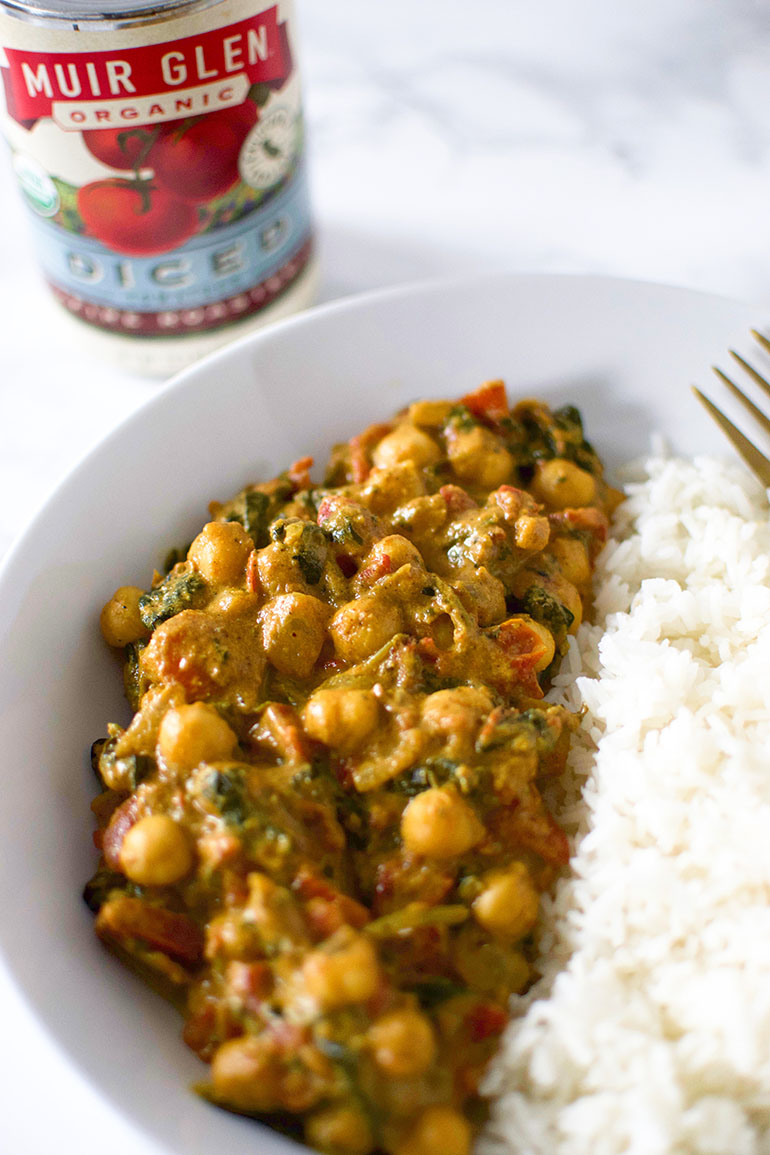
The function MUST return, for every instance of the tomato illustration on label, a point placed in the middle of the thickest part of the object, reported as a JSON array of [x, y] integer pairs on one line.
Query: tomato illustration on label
[[197, 159], [192, 161], [138, 217], [121, 148]]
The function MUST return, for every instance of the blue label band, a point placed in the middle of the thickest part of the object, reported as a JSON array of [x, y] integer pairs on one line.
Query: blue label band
[[230, 259]]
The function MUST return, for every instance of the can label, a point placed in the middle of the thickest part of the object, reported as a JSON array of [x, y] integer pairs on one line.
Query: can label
[[163, 164]]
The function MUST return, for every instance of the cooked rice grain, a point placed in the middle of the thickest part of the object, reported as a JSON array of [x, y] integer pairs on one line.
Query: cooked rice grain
[[650, 1029]]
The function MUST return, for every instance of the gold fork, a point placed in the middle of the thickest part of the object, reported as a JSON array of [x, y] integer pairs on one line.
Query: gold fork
[[756, 461]]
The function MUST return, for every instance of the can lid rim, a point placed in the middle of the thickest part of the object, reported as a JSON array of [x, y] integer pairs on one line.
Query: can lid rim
[[96, 11]]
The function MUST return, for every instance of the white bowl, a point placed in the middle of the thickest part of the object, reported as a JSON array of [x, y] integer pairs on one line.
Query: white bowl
[[625, 353]]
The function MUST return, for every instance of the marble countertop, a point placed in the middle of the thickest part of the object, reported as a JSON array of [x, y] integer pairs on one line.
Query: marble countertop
[[445, 138], [449, 138]]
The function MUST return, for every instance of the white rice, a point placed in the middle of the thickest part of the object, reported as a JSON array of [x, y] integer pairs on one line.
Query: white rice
[[650, 1029]]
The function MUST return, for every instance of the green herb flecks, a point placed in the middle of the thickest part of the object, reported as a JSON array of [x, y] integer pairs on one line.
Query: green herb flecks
[[179, 591], [550, 612], [252, 509]]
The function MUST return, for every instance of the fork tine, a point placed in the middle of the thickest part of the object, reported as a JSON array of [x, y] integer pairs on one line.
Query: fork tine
[[755, 460], [748, 405], [752, 372], [764, 342]]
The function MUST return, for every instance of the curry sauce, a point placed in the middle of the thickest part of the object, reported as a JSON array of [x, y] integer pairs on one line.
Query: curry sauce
[[323, 830]]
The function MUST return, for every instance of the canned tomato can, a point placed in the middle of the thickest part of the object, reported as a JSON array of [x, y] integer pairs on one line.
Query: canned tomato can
[[160, 149]]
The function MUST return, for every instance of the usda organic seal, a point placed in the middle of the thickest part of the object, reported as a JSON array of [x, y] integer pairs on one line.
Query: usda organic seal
[[39, 190]]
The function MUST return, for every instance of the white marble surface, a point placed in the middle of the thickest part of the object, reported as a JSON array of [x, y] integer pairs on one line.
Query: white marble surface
[[449, 137], [445, 137]]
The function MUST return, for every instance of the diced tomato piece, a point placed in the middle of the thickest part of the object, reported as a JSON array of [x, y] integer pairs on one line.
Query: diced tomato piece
[[589, 520], [123, 918], [123, 818], [513, 502], [342, 768], [235, 888], [485, 1019], [520, 642], [250, 982], [186, 650], [382, 999], [199, 1033], [331, 665], [325, 510], [457, 500], [428, 650], [325, 915], [253, 584], [379, 568], [521, 649], [309, 885], [347, 564], [547, 839], [530, 825], [299, 473], [288, 1036], [360, 449], [489, 402], [399, 880], [280, 730]]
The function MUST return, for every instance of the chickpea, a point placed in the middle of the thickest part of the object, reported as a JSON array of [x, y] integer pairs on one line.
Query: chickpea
[[156, 851], [258, 1073], [456, 712], [293, 630], [343, 971], [489, 965], [189, 735], [120, 620], [275, 912], [278, 571], [572, 557], [561, 484], [442, 631], [531, 532], [565, 592], [340, 1130], [422, 515], [508, 905], [295, 559], [341, 718], [405, 443], [403, 1043], [385, 558], [438, 1131], [220, 551], [545, 637], [385, 489], [430, 413], [483, 596], [362, 626], [439, 824], [245, 1075], [479, 456]]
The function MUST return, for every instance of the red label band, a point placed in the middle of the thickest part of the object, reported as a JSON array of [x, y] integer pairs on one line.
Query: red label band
[[257, 49]]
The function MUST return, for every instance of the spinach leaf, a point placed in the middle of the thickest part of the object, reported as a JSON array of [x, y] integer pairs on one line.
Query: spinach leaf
[[545, 608], [98, 889], [431, 992], [177, 592], [227, 790], [252, 509]]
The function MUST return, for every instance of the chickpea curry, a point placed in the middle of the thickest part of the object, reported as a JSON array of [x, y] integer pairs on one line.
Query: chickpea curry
[[323, 832]]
